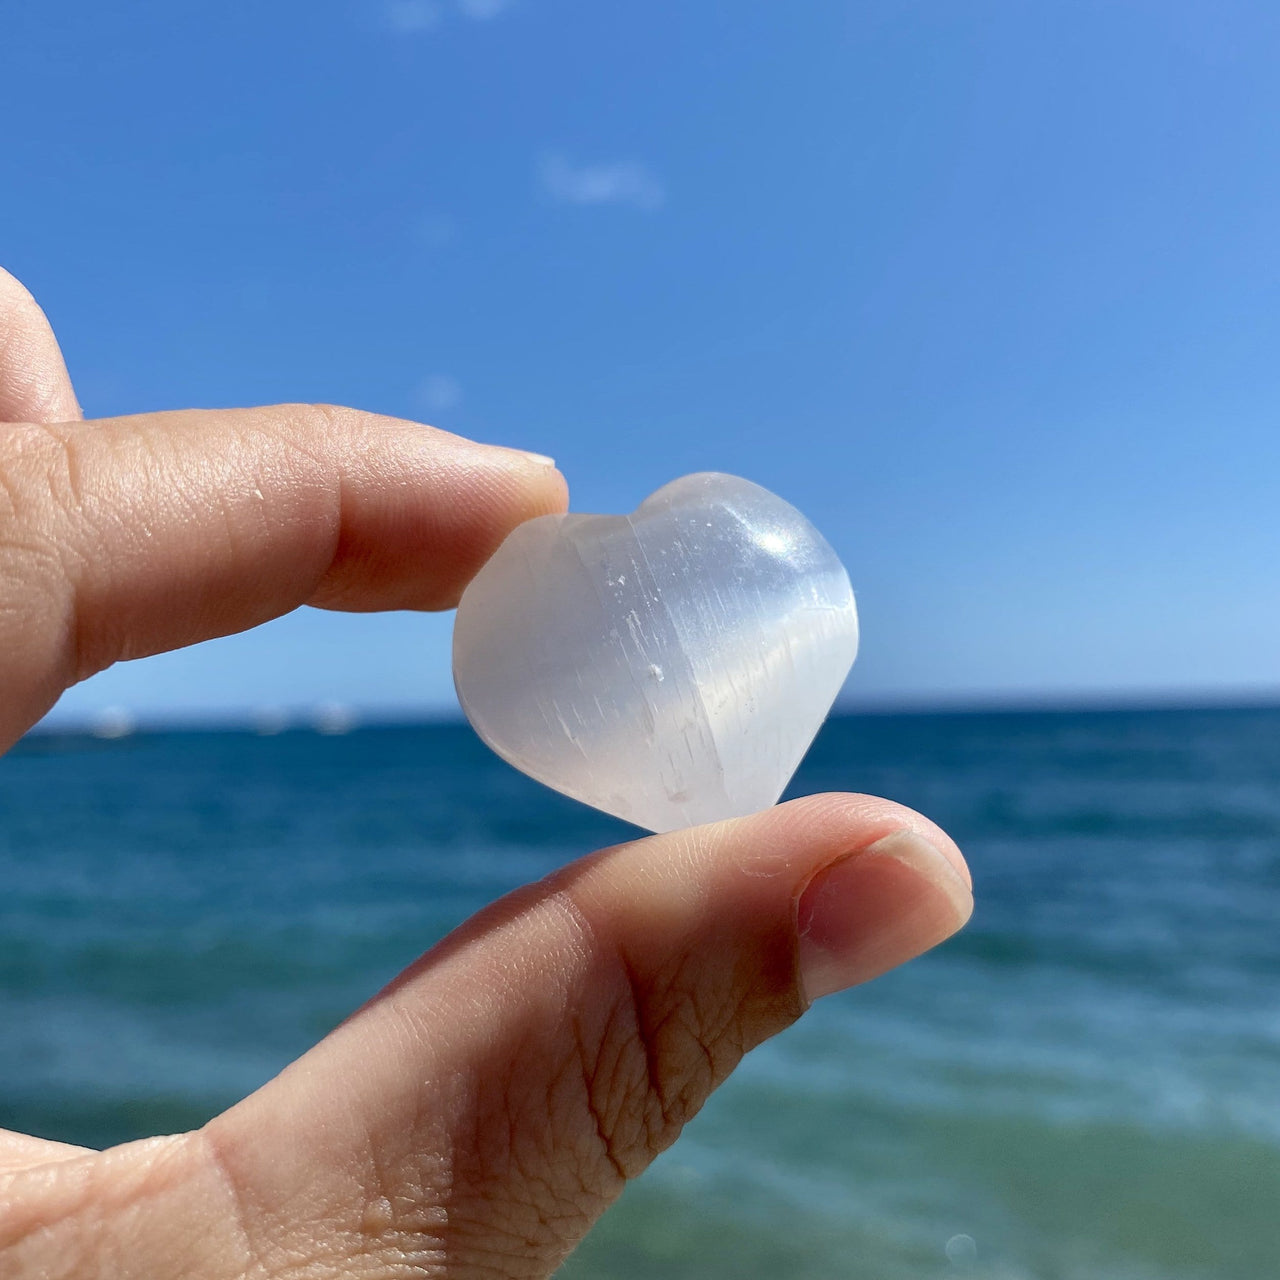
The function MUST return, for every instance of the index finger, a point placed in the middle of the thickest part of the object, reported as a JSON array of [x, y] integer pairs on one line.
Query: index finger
[[124, 537]]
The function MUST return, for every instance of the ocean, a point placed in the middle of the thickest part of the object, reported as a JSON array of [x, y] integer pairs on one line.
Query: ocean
[[1083, 1085]]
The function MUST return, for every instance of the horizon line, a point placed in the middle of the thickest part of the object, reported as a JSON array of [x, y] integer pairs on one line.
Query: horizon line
[[335, 719]]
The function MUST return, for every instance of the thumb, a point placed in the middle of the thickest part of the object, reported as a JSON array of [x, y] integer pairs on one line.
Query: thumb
[[477, 1116], [34, 384]]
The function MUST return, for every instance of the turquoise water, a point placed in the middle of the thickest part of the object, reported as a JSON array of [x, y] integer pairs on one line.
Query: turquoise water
[[1085, 1084]]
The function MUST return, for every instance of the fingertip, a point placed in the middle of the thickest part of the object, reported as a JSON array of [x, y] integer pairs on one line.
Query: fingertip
[[426, 510], [870, 883], [874, 910], [856, 821]]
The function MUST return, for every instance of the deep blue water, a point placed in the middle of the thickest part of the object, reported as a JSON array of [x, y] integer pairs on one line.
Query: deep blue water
[[1084, 1084]]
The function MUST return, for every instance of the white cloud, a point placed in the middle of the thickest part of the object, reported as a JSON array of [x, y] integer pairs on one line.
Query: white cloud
[[413, 16], [621, 182], [482, 10], [439, 393]]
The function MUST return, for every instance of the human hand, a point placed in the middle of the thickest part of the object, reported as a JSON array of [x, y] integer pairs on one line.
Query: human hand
[[477, 1116]]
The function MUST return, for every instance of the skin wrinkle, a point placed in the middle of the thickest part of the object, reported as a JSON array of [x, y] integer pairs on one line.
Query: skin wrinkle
[[34, 456], [699, 1044], [19, 1153], [91, 1206], [691, 1026], [613, 1082], [673, 1087], [325, 1228], [570, 1099], [318, 483], [524, 1110], [36, 566], [206, 1147], [66, 461], [493, 1142], [85, 518], [13, 497], [632, 1160], [529, 1176], [415, 1190], [678, 1048]]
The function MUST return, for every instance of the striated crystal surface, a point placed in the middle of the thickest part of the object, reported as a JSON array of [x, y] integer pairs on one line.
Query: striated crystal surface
[[670, 667]]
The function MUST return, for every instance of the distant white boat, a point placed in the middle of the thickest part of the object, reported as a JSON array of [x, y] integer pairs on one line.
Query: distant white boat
[[113, 722], [268, 721], [333, 718]]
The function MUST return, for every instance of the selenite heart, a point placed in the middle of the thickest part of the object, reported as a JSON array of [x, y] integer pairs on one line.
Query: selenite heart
[[670, 667]]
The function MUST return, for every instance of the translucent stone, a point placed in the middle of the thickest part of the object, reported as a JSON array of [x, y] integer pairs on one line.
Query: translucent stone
[[670, 667]]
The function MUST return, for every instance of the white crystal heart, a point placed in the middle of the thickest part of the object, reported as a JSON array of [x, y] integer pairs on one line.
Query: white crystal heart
[[670, 667]]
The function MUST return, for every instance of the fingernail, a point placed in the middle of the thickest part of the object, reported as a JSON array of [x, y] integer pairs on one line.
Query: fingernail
[[877, 909], [540, 459]]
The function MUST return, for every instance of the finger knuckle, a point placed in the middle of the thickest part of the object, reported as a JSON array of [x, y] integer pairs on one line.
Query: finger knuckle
[[39, 474], [39, 498], [651, 1040], [312, 430], [675, 1025], [673, 1036]]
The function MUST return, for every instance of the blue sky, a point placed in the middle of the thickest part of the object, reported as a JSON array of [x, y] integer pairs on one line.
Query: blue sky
[[990, 290]]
